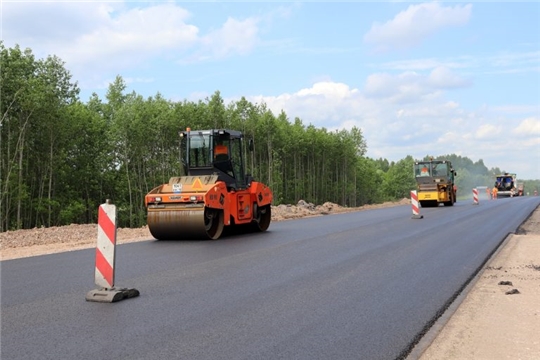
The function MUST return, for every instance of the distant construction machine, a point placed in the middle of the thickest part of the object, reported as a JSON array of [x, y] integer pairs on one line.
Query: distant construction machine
[[213, 193], [507, 185], [435, 182]]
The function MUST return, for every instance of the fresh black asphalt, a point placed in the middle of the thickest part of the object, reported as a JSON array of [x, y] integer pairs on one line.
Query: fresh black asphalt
[[362, 285]]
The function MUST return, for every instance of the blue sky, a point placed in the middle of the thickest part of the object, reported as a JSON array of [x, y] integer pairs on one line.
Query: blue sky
[[419, 78]]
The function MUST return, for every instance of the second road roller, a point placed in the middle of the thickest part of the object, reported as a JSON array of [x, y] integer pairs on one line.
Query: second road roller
[[435, 182], [213, 193]]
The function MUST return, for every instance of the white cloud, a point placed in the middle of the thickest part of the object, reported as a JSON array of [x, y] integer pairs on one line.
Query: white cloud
[[325, 104], [329, 89], [411, 86], [528, 127], [443, 78], [51, 22], [382, 84], [98, 40], [487, 131], [133, 36], [412, 26], [449, 138], [397, 88], [235, 37]]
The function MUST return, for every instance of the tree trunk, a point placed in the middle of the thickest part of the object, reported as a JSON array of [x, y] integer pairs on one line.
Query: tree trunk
[[49, 191], [20, 183], [129, 192]]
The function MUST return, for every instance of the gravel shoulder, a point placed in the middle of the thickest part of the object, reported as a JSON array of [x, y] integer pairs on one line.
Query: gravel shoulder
[[499, 318]]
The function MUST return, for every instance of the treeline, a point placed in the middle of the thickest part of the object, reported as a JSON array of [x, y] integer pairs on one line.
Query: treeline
[[61, 158]]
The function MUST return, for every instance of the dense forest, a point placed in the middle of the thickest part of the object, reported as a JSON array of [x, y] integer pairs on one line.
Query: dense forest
[[61, 157]]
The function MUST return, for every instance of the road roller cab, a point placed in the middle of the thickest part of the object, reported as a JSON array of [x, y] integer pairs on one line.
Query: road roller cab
[[212, 193]]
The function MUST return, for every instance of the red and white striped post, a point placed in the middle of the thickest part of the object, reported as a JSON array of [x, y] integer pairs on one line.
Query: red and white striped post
[[475, 196], [106, 259], [415, 207], [106, 246]]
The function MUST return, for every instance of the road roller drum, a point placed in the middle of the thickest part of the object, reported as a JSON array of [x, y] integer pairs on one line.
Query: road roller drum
[[178, 223]]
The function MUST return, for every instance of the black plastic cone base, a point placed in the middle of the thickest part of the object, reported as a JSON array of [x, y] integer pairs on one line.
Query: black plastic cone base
[[111, 295]]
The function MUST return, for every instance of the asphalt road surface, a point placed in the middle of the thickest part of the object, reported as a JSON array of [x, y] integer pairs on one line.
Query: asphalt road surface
[[363, 285]]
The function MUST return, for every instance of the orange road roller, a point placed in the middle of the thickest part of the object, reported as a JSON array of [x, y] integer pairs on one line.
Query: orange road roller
[[213, 193]]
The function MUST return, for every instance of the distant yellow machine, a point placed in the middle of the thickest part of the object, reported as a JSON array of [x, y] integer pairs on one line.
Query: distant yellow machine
[[435, 182]]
